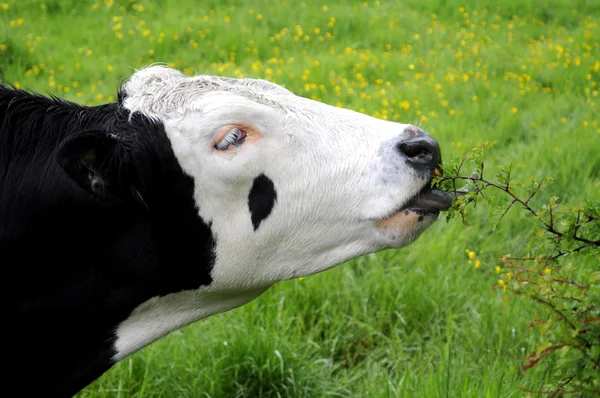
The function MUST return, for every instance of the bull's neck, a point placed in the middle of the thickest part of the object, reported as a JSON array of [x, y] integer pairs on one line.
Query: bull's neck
[[161, 315]]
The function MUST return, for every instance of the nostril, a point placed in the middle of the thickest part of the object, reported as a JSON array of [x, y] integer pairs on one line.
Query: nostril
[[421, 152], [416, 151]]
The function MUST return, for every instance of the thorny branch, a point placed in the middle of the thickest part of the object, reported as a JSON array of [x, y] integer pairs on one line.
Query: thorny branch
[[549, 276], [548, 226]]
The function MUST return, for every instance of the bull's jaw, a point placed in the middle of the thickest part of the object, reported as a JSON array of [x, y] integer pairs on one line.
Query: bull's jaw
[[413, 218], [406, 226], [161, 315]]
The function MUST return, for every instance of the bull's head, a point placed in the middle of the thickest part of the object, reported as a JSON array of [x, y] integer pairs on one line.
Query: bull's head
[[289, 186]]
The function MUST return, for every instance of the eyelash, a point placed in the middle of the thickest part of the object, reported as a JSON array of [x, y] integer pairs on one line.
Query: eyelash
[[235, 137]]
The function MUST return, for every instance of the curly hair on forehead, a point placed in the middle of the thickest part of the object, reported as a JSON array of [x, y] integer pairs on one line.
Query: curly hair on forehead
[[157, 90]]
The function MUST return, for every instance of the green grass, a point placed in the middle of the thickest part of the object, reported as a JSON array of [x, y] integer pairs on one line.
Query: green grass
[[416, 322]]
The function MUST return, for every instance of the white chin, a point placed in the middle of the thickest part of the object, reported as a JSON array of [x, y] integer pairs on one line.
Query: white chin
[[405, 226]]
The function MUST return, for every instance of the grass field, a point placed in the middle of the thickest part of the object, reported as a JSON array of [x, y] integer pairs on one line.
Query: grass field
[[418, 322]]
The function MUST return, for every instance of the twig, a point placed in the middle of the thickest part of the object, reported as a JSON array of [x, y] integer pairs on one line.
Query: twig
[[549, 304], [532, 361], [563, 385], [547, 226], [507, 209], [534, 192]]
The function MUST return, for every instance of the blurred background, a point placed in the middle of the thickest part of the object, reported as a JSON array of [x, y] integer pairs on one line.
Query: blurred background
[[423, 321]]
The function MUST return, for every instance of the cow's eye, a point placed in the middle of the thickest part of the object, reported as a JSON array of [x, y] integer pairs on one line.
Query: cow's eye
[[235, 137]]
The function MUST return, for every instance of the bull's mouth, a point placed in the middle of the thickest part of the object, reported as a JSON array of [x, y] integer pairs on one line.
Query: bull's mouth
[[429, 202], [412, 218]]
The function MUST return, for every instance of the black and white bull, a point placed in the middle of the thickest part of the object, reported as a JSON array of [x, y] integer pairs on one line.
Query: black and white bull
[[187, 197]]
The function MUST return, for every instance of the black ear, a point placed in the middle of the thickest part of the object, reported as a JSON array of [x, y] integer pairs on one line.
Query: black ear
[[97, 161]]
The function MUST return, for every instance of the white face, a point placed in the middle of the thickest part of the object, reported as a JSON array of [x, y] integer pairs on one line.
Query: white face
[[342, 180]]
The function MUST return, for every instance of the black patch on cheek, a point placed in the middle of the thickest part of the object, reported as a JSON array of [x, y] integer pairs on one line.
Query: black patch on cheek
[[261, 199]]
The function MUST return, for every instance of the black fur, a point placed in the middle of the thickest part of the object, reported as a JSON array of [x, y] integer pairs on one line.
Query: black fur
[[261, 199], [83, 244]]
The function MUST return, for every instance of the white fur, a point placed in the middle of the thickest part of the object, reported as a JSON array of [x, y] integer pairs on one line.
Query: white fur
[[335, 171], [161, 315]]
